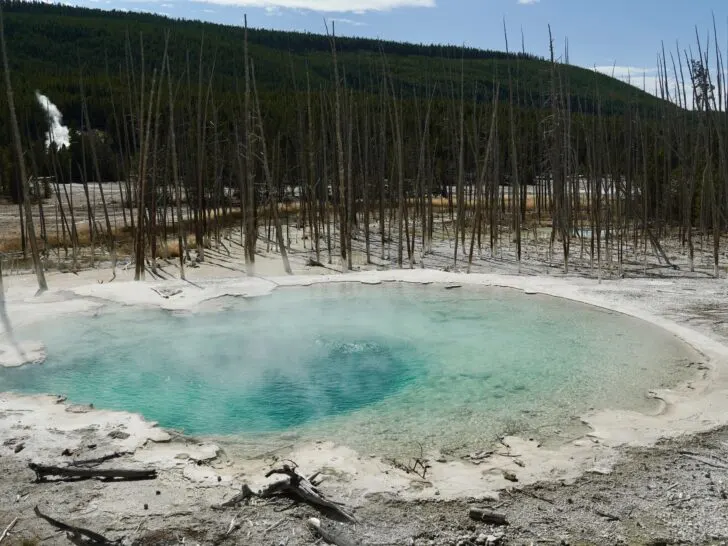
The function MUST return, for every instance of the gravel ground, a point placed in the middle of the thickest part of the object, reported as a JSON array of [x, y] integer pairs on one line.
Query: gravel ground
[[671, 493]]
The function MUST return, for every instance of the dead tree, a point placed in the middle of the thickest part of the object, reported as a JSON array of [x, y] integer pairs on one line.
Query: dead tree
[[343, 229], [296, 487], [24, 181], [269, 180]]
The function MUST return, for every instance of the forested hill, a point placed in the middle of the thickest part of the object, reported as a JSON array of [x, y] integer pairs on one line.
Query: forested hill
[[49, 43], [101, 60]]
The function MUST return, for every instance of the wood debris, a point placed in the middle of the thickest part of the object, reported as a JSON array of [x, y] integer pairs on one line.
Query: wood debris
[[43, 471], [77, 535], [487, 516]]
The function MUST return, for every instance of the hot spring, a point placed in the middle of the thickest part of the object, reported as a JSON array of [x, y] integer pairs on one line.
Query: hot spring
[[377, 368]]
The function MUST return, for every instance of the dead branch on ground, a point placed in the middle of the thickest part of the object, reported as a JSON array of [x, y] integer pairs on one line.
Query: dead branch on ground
[[96, 461], [418, 465], [7, 530], [331, 534], [487, 516], [77, 535], [297, 488]]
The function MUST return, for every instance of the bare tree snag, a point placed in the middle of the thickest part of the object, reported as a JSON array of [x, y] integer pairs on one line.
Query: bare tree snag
[[24, 180], [343, 230], [269, 179]]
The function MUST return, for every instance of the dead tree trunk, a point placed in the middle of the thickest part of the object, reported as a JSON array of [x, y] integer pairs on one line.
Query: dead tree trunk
[[37, 265]]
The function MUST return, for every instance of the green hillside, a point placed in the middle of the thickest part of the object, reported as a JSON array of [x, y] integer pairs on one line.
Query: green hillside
[[47, 43], [60, 51]]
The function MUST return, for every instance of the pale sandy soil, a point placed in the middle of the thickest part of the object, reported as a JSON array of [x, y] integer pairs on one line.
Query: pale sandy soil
[[624, 467], [10, 224]]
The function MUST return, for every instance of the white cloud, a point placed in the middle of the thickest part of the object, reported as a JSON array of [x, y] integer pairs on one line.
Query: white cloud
[[625, 72], [648, 80], [330, 5], [528, 2], [344, 21]]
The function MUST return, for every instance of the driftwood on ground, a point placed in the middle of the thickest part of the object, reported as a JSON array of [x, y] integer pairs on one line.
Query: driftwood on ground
[[43, 471], [96, 461], [331, 534], [7, 530], [77, 535], [487, 516], [297, 488], [246, 493], [607, 515], [419, 465]]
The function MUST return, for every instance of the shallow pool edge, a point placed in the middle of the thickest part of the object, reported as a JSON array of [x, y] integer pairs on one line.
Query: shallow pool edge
[[696, 406]]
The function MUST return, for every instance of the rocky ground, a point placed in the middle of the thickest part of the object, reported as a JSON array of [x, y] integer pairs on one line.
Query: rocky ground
[[673, 493], [669, 493]]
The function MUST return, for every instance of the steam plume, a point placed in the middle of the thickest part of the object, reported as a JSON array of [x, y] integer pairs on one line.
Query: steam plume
[[57, 132]]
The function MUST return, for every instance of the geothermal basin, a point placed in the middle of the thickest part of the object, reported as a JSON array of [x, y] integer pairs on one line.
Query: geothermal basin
[[381, 369]]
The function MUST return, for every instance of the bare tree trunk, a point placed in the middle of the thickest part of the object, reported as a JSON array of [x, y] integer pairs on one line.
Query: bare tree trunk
[[155, 151], [175, 171], [479, 190], [343, 235], [559, 212], [399, 153], [313, 194], [460, 220], [141, 224], [97, 172], [515, 179], [251, 227], [350, 210], [269, 179], [37, 265]]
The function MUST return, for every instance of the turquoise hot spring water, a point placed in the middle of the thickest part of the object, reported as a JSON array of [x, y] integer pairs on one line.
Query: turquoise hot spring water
[[378, 368]]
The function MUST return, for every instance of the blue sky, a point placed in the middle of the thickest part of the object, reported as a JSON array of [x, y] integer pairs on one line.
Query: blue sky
[[601, 33]]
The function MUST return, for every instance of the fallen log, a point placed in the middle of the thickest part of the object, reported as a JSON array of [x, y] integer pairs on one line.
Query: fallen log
[[300, 487], [487, 516], [297, 488], [330, 534], [43, 471], [77, 535]]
